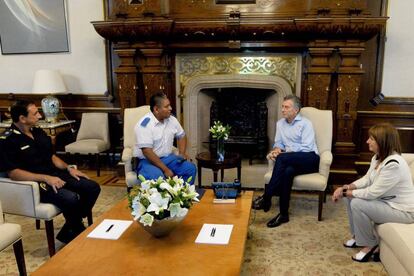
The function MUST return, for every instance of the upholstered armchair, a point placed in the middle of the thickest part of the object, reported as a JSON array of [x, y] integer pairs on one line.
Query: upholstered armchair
[[11, 234], [322, 124], [92, 138], [23, 198], [131, 118]]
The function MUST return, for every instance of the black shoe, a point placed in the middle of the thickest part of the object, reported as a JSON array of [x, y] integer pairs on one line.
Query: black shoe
[[69, 232], [376, 257], [66, 234], [364, 258], [277, 220], [261, 203]]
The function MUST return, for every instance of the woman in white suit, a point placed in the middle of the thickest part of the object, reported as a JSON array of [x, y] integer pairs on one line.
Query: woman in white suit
[[384, 194]]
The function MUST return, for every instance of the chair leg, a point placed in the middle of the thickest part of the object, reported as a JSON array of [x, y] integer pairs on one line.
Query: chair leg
[[321, 195], [98, 165], [19, 254], [37, 224], [90, 218], [50, 235]]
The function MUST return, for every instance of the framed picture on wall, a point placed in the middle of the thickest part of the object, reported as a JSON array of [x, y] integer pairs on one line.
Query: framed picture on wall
[[33, 26]]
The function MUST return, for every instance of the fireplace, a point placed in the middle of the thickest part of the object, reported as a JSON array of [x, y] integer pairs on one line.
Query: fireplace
[[245, 110], [270, 77]]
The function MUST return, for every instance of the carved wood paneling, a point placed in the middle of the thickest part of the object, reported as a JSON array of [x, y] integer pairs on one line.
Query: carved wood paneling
[[318, 77], [127, 76], [403, 121], [317, 90], [347, 97]]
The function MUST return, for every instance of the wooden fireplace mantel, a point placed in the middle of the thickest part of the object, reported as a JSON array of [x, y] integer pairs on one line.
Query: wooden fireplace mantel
[[170, 31]]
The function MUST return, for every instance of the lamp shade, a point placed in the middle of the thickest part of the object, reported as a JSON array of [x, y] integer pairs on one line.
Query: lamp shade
[[48, 81]]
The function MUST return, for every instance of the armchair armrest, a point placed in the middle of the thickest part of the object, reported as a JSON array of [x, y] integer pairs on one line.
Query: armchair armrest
[[23, 198], [270, 164], [127, 159], [325, 163], [19, 197]]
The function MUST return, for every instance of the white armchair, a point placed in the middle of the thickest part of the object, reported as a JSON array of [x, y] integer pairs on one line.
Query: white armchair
[[92, 138], [23, 198], [322, 124], [11, 233], [131, 118]]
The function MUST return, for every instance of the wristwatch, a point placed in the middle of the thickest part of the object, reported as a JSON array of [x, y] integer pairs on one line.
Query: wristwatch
[[71, 167]]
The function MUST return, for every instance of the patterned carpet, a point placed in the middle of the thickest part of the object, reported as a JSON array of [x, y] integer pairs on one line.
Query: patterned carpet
[[303, 246]]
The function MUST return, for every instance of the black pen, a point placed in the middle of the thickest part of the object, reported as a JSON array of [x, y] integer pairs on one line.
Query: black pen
[[109, 228], [213, 232]]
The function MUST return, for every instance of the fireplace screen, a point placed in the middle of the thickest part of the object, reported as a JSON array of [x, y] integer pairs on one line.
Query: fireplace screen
[[246, 112]]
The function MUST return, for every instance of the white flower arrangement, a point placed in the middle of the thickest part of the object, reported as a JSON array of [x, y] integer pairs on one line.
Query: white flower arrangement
[[219, 131], [161, 198]]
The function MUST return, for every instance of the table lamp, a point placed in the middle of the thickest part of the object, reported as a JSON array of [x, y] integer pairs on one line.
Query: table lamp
[[51, 82]]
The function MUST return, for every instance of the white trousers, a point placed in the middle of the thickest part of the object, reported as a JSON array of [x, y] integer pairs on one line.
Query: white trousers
[[364, 214]]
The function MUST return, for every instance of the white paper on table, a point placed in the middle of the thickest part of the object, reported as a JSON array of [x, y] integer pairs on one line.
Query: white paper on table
[[221, 235], [101, 231]]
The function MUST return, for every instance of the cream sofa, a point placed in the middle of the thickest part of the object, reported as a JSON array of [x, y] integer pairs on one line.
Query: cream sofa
[[397, 241]]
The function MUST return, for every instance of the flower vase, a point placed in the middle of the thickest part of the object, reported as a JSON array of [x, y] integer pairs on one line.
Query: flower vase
[[220, 150], [161, 228]]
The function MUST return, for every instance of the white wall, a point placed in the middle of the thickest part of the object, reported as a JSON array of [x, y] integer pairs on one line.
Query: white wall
[[83, 68], [398, 76]]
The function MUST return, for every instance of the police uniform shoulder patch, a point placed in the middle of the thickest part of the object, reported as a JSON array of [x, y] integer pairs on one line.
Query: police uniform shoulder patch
[[145, 122], [5, 134]]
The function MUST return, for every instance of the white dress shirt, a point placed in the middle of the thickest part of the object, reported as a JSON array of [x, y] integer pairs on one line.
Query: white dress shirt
[[151, 133]]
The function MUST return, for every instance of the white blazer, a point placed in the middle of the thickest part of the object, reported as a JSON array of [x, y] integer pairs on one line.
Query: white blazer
[[391, 182]]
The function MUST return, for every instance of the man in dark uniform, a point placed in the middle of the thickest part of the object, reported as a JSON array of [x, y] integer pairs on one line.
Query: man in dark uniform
[[27, 154]]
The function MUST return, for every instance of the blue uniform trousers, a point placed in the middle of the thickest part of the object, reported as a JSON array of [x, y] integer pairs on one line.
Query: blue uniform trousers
[[175, 163], [287, 166]]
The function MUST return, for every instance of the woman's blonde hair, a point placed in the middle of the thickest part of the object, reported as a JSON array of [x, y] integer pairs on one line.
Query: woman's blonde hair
[[387, 138]]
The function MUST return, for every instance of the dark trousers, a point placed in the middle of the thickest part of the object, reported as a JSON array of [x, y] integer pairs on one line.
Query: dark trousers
[[75, 199], [287, 166]]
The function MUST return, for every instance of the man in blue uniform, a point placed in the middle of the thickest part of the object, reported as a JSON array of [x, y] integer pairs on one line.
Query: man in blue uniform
[[27, 155], [155, 134], [294, 153]]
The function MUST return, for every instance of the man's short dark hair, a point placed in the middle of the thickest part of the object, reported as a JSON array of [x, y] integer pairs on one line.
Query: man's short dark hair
[[19, 108], [295, 99], [156, 100]]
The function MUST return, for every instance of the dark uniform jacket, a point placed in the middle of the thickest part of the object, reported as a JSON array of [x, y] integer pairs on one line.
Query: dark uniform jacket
[[19, 151]]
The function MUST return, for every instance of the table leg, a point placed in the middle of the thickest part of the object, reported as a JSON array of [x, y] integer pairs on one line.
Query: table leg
[[215, 175], [239, 172], [222, 175], [199, 174]]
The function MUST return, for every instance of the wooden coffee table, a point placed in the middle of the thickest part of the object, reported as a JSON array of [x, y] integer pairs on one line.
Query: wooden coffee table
[[138, 253], [208, 160]]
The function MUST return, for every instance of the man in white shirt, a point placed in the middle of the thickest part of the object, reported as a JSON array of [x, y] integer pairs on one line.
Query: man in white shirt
[[155, 134]]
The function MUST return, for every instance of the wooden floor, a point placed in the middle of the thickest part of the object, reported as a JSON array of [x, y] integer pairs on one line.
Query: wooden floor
[[108, 177]]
